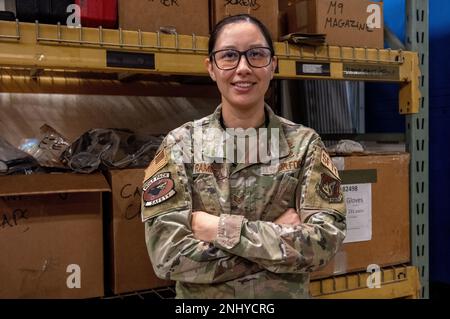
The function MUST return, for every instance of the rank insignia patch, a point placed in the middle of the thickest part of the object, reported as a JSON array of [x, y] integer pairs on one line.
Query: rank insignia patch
[[158, 189], [329, 189]]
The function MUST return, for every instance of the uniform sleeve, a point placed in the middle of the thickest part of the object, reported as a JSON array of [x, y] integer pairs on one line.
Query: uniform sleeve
[[166, 210], [303, 248]]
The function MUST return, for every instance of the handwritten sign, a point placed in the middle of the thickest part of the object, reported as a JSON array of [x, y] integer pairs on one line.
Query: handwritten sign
[[133, 194], [12, 219], [253, 4], [169, 3], [338, 18]]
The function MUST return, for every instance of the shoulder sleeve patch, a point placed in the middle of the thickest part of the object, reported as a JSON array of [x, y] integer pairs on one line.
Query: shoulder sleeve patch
[[321, 185], [164, 189], [329, 188], [158, 189]]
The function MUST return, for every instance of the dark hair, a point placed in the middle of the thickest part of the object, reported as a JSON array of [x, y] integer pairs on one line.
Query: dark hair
[[238, 18]]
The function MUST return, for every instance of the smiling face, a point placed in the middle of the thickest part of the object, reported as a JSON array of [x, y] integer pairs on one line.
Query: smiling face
[[243, 87]]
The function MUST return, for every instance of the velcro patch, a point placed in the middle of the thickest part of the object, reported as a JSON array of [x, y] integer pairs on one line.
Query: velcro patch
[[158, 189], [329, 188], [328, 163], [282, 167], [289, 166], [203, 168], [159, 161]]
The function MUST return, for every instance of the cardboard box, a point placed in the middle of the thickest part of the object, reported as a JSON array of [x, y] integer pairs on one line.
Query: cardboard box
[[130, 266], [187, 16], [51, 236], [344, 22], [264, 10], [386, 239]]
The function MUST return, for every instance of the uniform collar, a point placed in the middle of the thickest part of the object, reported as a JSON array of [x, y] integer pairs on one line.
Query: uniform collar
[[214, 145]]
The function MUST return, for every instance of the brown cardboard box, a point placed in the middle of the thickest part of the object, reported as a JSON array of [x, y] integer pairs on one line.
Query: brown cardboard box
[[344, 22], [264, 10], [390, 238], [187, 16], [51, 225], [131, 269]]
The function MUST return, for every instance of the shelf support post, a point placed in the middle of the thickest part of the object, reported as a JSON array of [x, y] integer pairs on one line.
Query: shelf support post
[[417, 127]]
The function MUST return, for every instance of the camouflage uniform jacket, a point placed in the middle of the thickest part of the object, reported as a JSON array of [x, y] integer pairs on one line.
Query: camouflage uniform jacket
[[252, 257]]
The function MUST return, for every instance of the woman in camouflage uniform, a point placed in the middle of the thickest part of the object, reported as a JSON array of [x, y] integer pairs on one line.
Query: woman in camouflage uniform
[[227, 221]]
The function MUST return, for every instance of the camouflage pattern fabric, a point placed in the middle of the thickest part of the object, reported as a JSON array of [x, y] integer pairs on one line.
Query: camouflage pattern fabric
[[252, 257]]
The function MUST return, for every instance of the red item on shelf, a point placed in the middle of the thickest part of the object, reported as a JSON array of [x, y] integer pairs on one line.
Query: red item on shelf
[[95, 13]]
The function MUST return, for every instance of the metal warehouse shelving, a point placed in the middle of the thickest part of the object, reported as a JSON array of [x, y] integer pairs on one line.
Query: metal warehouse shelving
[[42, 49], [417, 128], [55, 58], [395, 283], [400, 282]]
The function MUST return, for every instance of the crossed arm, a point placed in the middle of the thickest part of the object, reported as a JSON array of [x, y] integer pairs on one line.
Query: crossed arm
[[190, 252], [205, 226], [199, 247]]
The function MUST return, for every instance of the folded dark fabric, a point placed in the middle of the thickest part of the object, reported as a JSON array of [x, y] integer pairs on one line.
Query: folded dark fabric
[[110, 148]]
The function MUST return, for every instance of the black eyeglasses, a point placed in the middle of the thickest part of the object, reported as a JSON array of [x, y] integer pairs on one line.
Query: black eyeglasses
[[229, 59]]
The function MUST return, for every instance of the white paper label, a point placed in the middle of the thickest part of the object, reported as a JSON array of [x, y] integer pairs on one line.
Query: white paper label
[[339, 162], [312, 68], [359, 212]]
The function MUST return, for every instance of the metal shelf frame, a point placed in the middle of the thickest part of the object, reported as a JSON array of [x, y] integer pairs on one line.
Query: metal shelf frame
[[395, 283], [43, 48], [417, 135]]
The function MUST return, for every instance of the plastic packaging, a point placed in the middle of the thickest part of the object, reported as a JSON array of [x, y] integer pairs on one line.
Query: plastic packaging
[[49, 149], [110, 148], [14, 160]]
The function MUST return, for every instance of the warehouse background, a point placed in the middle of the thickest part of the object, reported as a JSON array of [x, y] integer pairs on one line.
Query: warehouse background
[[382, 116], [23, 114]]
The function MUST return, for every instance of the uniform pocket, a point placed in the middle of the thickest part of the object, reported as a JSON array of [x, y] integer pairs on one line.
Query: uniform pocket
[[283, 199], [205, 191]]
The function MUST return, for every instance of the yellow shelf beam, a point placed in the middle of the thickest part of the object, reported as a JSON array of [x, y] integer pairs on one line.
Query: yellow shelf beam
[[396, 282], [72, 82], [60, 48]]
